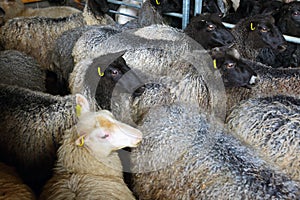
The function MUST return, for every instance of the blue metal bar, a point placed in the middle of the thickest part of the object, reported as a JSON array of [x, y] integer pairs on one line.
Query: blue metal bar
[[185, 13], [198, 7], [174, 14]]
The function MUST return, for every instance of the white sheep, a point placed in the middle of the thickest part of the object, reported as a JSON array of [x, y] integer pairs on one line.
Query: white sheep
[[88, 166]]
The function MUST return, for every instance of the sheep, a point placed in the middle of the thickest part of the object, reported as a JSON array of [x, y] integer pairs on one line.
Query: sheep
[[159, 56], [32, 124], [84, 39], [187, 154], [88, 165], [288, 23], [253, 34], [234, 71], [16, 8], [19, 33], [22, 70], [208, 30], [12, 186], [271, 125], [271, 81]]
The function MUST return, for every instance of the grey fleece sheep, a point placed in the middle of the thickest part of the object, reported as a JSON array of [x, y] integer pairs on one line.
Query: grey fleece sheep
[[162, 51], [32, 124], [254, 34], [16, 8], [12, 186], [88, 166], [36, 36], [272, 81], [62, 59], [188, 155], [272, 126], [22, 70]]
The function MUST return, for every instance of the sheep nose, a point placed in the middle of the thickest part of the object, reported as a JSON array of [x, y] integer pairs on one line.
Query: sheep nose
[[282, 48], [253, 80]]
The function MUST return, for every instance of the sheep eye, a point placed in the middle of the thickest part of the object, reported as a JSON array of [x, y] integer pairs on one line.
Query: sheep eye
[[211, 27], [230, 65], [296, 13], [104, 136], [264, 29], [115, 72]]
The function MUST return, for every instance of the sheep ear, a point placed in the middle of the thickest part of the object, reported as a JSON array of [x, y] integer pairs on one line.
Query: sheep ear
[[82, 105]]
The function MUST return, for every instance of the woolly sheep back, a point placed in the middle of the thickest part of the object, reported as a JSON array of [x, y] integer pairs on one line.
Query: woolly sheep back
[[32, 124], [271, 125], [22, 70], [185, 155]]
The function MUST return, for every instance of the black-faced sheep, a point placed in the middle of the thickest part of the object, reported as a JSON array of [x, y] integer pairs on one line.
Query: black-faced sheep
[[208, 30], [62, 63], [22, 70], [16, 8], [289, 19], [36, 36], [12, 186], [272, 81], [158, 57], [234, 71], [188, 155], [289, 24], [271, 125], [253, 34], [32, 124], [88, 165]]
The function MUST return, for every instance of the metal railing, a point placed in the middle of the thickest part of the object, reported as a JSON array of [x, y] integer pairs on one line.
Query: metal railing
[[185, 15]]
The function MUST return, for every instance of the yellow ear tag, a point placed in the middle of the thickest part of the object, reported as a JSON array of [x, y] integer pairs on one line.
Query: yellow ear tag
[[99, 72], [215, 63], [251, 27], [78, 110], [81, 142], [157, 2]]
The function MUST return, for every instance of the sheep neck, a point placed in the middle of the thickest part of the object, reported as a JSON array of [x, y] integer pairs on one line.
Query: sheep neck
[[76, 159]]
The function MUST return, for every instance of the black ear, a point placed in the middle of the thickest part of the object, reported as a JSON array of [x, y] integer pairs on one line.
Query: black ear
[[2, 15], [98, 7]]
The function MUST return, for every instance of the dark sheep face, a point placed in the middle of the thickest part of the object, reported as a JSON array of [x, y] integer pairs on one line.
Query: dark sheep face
[[263, 33], [112, 79], [208, 31], [235, 73], [289, 19], [2, 15]]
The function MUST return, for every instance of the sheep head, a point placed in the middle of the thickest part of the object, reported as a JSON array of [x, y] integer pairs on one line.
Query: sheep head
[[101, 133], [208, 30], [262, 33], [235, 72], [289, 19]]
